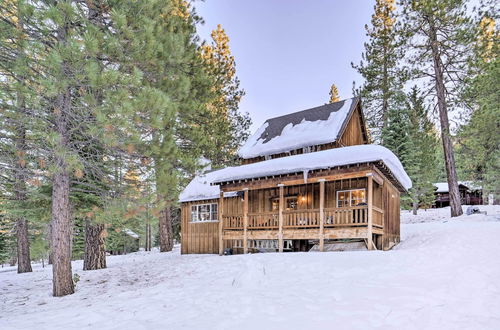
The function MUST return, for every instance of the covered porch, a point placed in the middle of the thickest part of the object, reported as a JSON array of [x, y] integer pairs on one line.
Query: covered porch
[[346, 203]]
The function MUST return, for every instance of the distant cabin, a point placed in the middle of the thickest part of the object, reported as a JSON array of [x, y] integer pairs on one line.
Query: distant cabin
[[308, 180], [470, 194]]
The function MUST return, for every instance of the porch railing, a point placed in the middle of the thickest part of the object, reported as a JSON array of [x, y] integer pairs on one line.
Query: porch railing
[[264, 220], [234, 221], [301, 218], [334, 217]]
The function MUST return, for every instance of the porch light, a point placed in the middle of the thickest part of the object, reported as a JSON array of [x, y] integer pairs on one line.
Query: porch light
[[303, 198]]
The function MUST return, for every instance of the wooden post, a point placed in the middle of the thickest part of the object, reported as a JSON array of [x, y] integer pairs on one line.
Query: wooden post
[[245, 220], [370, 213], [280, 218], [321, 214], [221, 224]]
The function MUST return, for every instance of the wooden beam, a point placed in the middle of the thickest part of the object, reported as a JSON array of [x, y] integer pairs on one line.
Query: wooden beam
[[321, 215], [221, 224], [312, 234], [377, 178], [297, 180], [369, 234], [280, 218], [245, 220]]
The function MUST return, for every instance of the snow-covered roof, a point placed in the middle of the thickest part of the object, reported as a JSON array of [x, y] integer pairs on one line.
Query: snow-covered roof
[[442, 187], [130, 233], [296, 130], [200, 187]]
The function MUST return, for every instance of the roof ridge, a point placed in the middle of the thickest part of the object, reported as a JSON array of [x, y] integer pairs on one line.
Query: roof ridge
[[316, 107]]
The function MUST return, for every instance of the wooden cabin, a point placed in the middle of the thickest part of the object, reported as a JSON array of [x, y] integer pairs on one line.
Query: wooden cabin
[[470, 194], [308, 180]]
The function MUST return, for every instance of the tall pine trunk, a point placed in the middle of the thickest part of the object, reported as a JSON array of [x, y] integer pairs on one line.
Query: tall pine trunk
[[23, 249], [49, 240], [95, 252], [61, 222], [449, 158], [165, 230], [61, 232]]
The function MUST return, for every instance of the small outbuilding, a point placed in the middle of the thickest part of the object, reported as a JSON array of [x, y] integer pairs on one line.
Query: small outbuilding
[[470, 194]]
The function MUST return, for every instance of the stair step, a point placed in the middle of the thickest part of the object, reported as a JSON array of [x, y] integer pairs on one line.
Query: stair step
[[341, 246]]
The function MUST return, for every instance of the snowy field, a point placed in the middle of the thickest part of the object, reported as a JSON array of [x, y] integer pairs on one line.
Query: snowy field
[[445, 274]]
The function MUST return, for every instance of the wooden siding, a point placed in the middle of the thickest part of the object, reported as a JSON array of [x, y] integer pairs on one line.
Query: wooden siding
[[391, 207], [198, 237], [352, 134]]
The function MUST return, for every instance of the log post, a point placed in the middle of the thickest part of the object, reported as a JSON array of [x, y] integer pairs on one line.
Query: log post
[[370, 213], [321, 215], [245, 220], [221, 224], [280, 217]]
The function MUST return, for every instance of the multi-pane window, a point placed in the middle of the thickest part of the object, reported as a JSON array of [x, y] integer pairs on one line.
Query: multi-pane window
[[204, 212], [290, 203], [355, 197]]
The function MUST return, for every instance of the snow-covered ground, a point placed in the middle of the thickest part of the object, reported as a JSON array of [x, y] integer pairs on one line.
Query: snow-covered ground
[[445, 274]]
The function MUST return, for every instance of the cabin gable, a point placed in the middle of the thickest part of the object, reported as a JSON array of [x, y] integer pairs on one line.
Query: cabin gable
[[354, 132]]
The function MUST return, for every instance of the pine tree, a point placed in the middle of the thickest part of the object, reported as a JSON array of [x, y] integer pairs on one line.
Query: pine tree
[[334, 94], [479, 141], [439, 39], [14, 99], [225, 126], [170, 104], [379, 67], [396, 132], [421, 164]]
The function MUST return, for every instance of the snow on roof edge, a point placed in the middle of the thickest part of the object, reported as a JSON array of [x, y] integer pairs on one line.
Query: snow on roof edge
[[200, 188], [205, 186], [318, 160], [442, 187]]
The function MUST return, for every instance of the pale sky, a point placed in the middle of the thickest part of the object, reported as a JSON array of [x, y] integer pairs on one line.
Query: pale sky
[[289, 52]]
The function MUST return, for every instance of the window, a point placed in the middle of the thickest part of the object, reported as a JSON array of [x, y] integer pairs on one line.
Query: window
[[355, 197], [290, 203], [204, 212]]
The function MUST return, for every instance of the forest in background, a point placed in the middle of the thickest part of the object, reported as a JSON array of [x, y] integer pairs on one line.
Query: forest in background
[[431, 93], [109, 107]]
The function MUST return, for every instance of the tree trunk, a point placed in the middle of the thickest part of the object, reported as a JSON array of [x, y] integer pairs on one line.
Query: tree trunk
[[415, 208], [165, 230], [150, 237], [147, 246], [449, 158], [61, 221], [61, 238], [49, 240], [23, 249], [13, 261], [95, 252]]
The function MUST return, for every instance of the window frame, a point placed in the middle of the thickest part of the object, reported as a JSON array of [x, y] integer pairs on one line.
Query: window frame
[[275, 200], [213, 210], [350, 197]]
